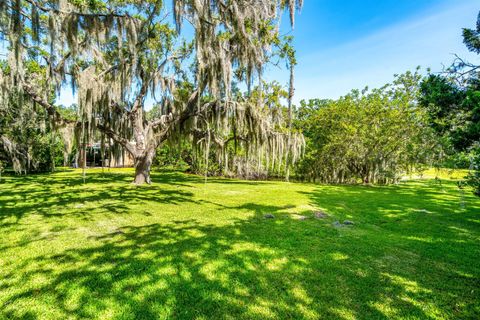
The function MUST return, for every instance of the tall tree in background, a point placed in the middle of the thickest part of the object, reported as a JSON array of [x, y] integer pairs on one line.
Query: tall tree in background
[[471, 38], [448, 113], [115, 54], [452, 100]]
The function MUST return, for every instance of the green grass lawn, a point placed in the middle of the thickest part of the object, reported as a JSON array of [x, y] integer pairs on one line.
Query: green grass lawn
[[183, 249]]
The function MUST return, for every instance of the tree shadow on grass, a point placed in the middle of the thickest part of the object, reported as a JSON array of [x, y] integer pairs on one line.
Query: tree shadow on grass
[[57, 196], [185, 270], [422, 232], [45, 194], [175, 177], [411, 254]]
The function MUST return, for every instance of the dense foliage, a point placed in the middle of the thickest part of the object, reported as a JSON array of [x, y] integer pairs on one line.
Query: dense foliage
[[369, 136], [474, 176], [471, 38], [27, 141], [452, 101], [30, 138], [453, 112]]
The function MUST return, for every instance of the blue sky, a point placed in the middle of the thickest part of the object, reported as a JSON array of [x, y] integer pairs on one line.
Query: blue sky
[[342, 45], [348, 44]]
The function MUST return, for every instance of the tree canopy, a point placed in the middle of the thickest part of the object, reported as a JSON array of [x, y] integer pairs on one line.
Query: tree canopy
[[115, 54], [370, 136]]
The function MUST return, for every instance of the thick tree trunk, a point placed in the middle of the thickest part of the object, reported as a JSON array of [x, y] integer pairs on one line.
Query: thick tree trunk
[[143, 164]]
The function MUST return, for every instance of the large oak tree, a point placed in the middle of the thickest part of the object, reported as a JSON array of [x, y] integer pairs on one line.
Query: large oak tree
[[117, 53]]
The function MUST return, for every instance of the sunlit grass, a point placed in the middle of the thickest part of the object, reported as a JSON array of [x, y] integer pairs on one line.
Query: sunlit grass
[[440, 173], [183, 249]]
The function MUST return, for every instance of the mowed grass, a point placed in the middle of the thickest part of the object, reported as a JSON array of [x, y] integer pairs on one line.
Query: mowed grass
[[183, 249]]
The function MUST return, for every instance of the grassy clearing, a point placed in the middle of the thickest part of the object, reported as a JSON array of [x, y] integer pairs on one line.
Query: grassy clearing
[[182, 249], [440, 173]]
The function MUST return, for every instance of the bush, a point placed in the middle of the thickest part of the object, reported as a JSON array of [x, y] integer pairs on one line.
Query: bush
[[474, 176], [460, 160], [178, 157]]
